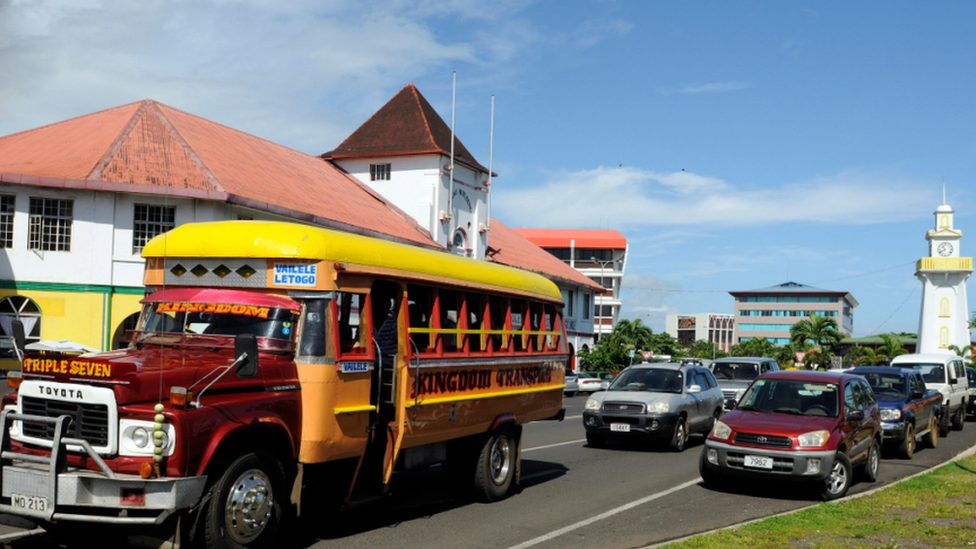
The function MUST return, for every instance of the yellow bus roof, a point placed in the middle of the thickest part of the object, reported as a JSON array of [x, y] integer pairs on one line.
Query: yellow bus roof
[[282, 240]]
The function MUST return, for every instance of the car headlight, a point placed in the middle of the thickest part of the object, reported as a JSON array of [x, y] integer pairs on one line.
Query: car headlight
[[721, 431], [888, 413], [658, 408], [136, 436], [592, 404], [813, 439]]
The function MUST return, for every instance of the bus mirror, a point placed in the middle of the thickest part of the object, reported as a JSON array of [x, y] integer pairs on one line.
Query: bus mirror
[[246, 343], [20, 338]]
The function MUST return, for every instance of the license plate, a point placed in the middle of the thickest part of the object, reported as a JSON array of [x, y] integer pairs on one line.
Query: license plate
[[29, 503], [620, 427], [759, 462]]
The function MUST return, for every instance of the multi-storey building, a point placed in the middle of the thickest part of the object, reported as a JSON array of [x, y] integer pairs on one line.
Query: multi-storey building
[[715, 328], [771, 312], [599, 254]]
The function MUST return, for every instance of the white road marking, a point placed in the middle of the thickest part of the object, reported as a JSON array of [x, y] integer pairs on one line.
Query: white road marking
[[556, 533], [553, 445]]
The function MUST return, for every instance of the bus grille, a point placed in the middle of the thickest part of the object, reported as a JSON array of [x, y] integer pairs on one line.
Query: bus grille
[[88, 421]]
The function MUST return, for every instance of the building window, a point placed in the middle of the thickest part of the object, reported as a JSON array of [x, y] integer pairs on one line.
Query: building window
[[50, 225], [586, 306], [943, 337], [944, 307], [150, 221], [7, 221], [379, 172], [18, 307], [571, 295]]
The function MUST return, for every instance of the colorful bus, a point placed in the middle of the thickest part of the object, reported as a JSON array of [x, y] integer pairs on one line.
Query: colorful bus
[[271, 357]]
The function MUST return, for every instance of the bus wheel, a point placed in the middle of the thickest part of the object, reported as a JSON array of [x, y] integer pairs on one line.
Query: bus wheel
[[496, 465], [246, 504]]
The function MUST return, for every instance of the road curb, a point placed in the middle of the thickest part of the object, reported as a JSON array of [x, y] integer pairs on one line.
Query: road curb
[[962, 455]]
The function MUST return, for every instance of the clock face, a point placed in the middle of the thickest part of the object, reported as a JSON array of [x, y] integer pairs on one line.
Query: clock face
[[945, 249]]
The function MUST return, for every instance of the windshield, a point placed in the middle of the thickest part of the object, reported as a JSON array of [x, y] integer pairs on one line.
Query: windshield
[[795, 397], [888, 384], [735, 371], [219, 319], [584, 375], [931, 373], [649, 379]]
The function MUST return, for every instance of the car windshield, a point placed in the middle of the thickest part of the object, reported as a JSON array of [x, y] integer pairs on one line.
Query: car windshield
[[794, 397], [735, 371], [204, 320], [895, 385], [656, 380], [931, 373], [584, 375]]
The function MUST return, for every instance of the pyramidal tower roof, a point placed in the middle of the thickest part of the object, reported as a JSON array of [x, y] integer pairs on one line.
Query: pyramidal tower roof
[[149, 148], [406, 125]]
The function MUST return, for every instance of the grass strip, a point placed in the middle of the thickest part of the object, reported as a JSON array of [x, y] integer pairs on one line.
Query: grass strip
[[937, 509]]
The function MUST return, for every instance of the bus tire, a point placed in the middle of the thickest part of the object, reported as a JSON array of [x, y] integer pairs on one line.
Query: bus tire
[[497, 461], [246, 504]]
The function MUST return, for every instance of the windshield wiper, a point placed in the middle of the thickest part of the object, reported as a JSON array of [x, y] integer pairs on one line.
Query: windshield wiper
[[748, 408], [791, 411]]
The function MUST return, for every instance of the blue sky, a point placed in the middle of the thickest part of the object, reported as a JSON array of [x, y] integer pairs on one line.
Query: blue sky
[[736, 145]]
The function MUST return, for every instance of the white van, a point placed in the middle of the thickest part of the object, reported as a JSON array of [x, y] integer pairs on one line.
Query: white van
[[947, 374]]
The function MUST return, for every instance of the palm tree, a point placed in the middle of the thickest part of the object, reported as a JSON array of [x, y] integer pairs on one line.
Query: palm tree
[[759, 346], [892, 347], [633, 334], [785, 355], [817, 329]]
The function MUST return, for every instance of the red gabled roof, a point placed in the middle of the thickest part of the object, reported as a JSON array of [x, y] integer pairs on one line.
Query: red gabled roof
[[150, 148], [406, 125], [584, 238], [515, 251]]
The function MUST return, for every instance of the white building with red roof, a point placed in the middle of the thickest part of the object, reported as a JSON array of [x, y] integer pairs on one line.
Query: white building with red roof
[[600, 255]]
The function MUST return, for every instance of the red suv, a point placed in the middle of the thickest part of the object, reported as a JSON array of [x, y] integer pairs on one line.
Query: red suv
[[798, 426]]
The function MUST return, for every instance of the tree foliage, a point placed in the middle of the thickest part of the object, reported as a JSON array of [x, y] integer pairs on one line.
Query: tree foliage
[[759, 346]]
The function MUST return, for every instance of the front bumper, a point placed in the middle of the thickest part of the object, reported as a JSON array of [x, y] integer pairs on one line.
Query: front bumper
[[41, 487], [893, 430], [792, 465], [640, 425]]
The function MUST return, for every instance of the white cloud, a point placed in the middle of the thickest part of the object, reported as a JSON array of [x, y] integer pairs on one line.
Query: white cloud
[[645, 198], [714, 87]]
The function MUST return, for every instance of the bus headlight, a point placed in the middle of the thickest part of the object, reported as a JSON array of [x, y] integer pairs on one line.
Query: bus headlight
[[135, 438]]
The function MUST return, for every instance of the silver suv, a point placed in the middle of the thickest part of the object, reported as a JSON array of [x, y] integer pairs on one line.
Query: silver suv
[[735, 374], [654, 401]]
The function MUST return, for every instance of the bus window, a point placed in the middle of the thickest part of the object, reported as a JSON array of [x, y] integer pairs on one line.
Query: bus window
[[552, 342], [518, 321], [475, 311], [496, 313], [449, 306], [351, 323], [419, 309], [535, 341], [313, 328]]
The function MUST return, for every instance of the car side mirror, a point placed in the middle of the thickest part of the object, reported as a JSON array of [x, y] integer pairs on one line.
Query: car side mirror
[[855, 415], [694, 389], [954, 381], [246, 343], [917, 394]]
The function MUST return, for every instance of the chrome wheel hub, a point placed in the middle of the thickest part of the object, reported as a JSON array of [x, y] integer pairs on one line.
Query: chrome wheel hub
[[837, 479], [501, 460], [249, 506]]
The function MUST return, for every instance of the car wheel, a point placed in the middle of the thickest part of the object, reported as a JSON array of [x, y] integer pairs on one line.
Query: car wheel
[[496, 465], [835, 486], [932, 439], [594, 440], [711, 477], [571, 394], [680, 436], [958, 420], [873, 464], [907, 448], [716, 415], [246, 505], [944, 424]]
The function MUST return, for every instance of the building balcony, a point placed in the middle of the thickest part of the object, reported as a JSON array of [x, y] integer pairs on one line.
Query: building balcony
[[944, 264]]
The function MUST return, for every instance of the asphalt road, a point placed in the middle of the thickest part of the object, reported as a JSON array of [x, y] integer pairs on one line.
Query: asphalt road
[[572, 496]]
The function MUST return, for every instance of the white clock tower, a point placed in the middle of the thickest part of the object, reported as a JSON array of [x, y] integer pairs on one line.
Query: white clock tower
[[944, 318]]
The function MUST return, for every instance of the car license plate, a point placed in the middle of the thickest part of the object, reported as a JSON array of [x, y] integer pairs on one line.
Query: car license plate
[[620, 427], [759, 462], [30, 503]]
